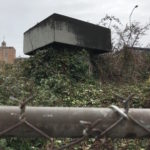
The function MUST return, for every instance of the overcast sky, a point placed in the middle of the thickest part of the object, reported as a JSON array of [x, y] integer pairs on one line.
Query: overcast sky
[[17, 16]]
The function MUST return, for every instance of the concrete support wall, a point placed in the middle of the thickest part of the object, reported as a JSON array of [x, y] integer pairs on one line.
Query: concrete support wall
[[59, 29], [39, 37]]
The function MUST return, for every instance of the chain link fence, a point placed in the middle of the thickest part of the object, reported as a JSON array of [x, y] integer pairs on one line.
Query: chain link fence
[[90, 128]]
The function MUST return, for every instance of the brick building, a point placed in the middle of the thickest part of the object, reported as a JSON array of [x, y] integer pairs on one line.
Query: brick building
[[7, 54]]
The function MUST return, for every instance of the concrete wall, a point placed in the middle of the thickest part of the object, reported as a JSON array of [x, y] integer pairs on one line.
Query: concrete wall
[[68, 31], [64, 33], [39, 36]]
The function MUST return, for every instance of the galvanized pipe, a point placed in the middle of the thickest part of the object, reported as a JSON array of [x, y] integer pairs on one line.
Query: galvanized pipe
[[65, 121]]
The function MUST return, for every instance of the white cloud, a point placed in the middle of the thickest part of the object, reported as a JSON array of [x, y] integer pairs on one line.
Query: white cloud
[[16, 16]]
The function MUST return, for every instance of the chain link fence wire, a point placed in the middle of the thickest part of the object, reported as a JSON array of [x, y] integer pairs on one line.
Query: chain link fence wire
[[90, 128]]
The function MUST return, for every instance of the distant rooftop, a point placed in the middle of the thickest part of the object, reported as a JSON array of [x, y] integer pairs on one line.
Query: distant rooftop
[[3, 44], [140, 48], [7, 54]]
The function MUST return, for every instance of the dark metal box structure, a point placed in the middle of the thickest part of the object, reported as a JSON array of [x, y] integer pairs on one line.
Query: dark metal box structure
[[67, 32]]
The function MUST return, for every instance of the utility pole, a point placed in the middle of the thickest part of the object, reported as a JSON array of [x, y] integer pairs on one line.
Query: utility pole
[[130, 22], [136, 6]]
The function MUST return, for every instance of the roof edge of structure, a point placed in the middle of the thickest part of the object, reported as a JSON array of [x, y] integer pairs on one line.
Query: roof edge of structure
[[54, 15]]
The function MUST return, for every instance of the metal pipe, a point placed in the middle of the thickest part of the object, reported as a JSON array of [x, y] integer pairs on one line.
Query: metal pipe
[[65, 121]]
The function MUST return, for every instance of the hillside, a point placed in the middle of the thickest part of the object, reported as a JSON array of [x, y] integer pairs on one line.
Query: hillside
[[62, 79]]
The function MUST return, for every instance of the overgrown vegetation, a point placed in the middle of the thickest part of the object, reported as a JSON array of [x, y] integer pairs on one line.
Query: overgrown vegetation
[[62, 79], [127, 65], [50, 63], [125, 35]]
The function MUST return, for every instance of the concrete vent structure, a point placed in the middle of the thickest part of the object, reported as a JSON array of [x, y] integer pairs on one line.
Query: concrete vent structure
[[62, 31]]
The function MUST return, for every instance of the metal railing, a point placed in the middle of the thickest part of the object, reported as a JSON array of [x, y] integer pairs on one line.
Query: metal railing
[[78, 123]]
